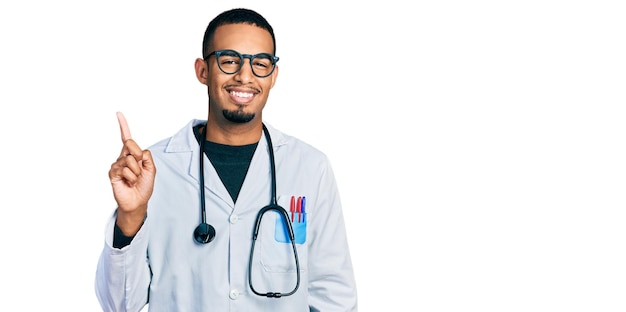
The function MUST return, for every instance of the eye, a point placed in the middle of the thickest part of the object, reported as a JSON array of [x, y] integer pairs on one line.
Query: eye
[[262, 60], [229, 58], [261, 64]]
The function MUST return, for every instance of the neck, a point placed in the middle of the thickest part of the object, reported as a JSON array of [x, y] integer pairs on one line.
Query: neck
[[234, 134]]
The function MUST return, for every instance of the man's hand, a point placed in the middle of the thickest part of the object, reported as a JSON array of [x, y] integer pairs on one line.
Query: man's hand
[[132, 179]]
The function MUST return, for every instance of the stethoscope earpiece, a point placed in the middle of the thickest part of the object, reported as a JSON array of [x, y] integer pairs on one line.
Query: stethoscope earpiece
[[204, 233]]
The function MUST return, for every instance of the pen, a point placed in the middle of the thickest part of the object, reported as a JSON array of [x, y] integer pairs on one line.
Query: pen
[[292, 206], [302, 209], [299, 209]]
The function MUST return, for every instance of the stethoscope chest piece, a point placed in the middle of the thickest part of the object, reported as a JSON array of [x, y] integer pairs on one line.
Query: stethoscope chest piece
[[204, 233]]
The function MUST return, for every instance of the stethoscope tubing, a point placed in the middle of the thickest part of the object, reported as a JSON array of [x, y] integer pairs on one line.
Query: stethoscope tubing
[[205, 232], [283, 214]]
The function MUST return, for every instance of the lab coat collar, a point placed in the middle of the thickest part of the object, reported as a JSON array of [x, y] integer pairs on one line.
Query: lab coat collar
[[184, 141]]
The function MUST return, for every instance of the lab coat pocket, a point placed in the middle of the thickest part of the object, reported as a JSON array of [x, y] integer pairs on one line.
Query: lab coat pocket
[[276, 250], [281, 231]]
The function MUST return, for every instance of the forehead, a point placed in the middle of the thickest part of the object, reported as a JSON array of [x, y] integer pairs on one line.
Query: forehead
[[244, 38]]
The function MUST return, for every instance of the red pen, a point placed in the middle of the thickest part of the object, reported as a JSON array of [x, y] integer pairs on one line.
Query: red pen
[[299, 209], [292, 206]]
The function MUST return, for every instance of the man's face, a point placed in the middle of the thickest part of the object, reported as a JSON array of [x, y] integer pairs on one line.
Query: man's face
[[239, 97]]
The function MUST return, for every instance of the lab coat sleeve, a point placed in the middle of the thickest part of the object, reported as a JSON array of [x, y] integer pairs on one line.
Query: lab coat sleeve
[[332, 284], [123, 275]]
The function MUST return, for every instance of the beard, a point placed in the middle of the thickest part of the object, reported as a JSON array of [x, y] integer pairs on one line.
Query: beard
[[237, 116]]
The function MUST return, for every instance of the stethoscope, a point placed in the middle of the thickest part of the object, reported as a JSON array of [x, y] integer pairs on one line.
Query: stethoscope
[[205, 233]]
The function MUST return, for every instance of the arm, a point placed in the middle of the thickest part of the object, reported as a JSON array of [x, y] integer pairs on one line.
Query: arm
[[123, 274]]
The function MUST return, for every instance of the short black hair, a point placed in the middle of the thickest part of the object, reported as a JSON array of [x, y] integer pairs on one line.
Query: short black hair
[[236, 16]]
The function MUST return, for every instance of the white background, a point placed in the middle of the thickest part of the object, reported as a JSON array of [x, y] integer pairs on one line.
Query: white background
[[478, 145]]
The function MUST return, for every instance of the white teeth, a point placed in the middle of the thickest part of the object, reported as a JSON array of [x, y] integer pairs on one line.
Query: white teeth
[[241, 94]]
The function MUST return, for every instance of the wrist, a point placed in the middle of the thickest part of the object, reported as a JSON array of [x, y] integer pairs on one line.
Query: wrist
[[130, 222]]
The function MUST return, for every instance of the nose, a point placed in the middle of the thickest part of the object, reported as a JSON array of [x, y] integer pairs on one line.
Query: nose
[[245, 74]]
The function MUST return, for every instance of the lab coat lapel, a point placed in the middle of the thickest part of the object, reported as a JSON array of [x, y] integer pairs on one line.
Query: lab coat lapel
[[212, 183]]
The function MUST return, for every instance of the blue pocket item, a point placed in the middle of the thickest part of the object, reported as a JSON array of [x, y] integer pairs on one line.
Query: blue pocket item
[[281, 233], [298, 215]]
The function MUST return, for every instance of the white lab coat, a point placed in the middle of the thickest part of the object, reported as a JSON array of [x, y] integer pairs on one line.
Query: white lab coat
[[165, 267]]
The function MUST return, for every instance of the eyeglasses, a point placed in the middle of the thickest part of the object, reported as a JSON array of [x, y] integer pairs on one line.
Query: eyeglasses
[[231, 61]]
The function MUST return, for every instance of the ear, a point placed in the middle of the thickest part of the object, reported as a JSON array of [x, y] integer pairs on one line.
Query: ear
[[202, 72]]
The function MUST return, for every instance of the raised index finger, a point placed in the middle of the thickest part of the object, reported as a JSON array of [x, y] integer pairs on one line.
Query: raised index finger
[[123, 127]]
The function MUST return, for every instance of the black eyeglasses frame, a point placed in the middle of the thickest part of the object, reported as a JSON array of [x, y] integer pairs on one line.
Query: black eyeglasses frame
[[251, 57]]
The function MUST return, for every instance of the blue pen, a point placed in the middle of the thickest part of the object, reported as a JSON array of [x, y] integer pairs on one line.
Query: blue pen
[[303, 210]]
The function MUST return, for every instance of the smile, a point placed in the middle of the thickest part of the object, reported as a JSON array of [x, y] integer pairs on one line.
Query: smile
[[242, 94]]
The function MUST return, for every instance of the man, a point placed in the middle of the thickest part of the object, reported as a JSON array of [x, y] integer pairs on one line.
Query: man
[[200, 224]]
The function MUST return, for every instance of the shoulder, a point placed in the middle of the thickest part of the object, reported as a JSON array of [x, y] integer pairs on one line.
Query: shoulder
[[294, 147]]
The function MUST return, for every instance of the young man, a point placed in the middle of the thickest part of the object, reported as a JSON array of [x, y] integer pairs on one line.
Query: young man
[[228, 214]]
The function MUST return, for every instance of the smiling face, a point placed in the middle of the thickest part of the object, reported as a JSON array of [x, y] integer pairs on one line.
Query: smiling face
[[239, 98]]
